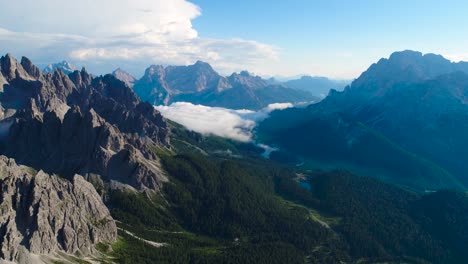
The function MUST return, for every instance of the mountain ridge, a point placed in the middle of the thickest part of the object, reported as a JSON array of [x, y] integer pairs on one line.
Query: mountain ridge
[[384, 99], [52, 113], [201, 84]]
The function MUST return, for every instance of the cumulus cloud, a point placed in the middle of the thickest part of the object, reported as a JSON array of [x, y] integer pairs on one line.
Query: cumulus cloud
[[110, 33], [223, 122]]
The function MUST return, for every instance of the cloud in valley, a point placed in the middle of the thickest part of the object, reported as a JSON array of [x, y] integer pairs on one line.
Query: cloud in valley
[[234, 124], [106, 34]]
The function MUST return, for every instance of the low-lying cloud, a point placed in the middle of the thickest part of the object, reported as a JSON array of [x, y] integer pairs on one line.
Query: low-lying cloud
[[223, 122]]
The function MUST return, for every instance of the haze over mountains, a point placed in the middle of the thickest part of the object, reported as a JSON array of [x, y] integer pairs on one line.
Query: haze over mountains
[[319, 86]]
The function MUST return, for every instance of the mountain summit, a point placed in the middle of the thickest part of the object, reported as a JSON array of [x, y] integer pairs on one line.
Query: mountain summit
[[64, 66], [200, 84], [411, 103], [76, 124], [404, 67], [124, 76]]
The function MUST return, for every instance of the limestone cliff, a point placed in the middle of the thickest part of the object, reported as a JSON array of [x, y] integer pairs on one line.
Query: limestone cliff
[[44, 214]]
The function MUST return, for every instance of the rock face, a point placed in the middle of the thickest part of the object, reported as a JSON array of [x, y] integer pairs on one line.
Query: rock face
[[76, 124], [200, 84], [44, 214], [82, 143]]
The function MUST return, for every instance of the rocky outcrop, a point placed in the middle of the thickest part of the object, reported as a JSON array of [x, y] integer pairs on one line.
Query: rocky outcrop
[[193, 78], [125, 77], [44, 214], [76, 124], [82, 143], [244, 78]]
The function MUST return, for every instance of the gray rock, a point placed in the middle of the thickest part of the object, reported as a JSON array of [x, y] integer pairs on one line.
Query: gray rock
[[44, 214], [125, 77], [76, 124], [83, 143]]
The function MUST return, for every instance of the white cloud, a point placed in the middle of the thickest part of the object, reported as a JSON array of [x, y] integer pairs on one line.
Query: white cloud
[[109, 33], [223, 122], [457, 57]]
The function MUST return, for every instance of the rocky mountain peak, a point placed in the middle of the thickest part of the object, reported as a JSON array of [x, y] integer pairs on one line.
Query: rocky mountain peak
[[244, 78], [245, 74], [200, 63], [124, 76], [404, 67], [61, 117], [9, 66], [81, 79], [406, 55], [154, 70], [30, 68], [64, 66], [190, 79]]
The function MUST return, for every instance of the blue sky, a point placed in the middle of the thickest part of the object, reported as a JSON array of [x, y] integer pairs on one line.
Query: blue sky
[[324, 35], [339, 39]]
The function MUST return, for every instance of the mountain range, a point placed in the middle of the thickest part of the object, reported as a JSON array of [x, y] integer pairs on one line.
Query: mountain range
[[200, 84], [318, 86], [410, 102], [70, 125], [90, 173]]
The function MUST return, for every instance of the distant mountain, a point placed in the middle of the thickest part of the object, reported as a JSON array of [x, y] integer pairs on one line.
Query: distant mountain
[[64, 66], [318, 86], [273, 80], [417, 102], [200, 84], [124, 76]]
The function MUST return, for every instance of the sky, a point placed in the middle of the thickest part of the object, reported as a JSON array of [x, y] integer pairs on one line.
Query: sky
[[337, 39]]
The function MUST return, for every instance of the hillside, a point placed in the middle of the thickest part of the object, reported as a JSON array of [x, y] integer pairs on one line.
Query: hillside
[[408, 100]]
